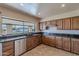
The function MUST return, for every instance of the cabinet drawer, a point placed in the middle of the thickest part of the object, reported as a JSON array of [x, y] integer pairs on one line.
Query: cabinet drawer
[[5, 44], [7, 53]]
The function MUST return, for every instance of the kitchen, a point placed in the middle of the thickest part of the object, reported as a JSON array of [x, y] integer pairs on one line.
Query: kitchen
[[21, 32]]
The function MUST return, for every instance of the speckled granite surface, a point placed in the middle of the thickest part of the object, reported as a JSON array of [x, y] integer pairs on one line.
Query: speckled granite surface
[[44, 50]]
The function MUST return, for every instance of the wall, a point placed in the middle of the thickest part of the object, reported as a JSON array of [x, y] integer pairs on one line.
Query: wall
[[61, 16], [64, 15], [19, 16]]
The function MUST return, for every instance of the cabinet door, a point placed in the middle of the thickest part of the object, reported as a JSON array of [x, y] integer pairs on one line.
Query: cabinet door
[[22, 46], [32, 42], [45, 40], [67, 24], [49, 40], [59, 24], [29, 43], [59, 42], [66, 43], [17, 48], [53, 23], [8, 48], [75, 23], [75, 45]]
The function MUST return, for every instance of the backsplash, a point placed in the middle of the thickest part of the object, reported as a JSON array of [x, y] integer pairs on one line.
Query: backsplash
[[54, 30]]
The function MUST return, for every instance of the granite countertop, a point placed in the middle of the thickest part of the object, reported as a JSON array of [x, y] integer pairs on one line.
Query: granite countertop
[[62, 35], [9, 37]]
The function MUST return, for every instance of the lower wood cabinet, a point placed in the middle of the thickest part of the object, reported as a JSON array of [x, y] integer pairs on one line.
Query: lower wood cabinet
[[8, 48], [75, 45], [66, 43], [59, 42], [49, 40], [32, 42]]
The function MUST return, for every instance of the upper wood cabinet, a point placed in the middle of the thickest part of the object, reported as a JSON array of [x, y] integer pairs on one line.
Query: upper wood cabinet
[[59, 42], [53, 23], [66, 43], [75, 45], [59, 24], [67, 24], [75, 23]]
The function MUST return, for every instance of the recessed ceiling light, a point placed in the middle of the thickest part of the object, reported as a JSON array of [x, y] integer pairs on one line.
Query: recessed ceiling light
[[21, 4], [63, 5]]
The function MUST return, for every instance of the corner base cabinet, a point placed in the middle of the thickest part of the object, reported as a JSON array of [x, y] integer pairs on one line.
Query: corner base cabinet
[[33, 41], [49, 40]]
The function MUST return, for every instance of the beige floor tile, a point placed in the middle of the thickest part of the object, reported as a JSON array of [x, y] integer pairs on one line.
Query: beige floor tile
[[44, 50]]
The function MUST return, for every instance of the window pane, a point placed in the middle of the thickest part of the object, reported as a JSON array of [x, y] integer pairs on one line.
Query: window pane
[[17, 29], [26, 30], [4, 29]]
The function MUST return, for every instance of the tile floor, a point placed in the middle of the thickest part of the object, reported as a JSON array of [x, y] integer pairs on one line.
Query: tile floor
[[44, 50]]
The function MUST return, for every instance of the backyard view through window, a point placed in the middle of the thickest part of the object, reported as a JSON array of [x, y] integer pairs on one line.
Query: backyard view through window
[[10, 26]]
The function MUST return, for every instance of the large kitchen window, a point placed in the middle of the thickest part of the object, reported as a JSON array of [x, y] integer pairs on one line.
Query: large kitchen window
[[16, 29], [10, 26]]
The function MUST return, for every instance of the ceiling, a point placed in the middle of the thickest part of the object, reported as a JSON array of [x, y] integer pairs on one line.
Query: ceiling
[[44, 10]]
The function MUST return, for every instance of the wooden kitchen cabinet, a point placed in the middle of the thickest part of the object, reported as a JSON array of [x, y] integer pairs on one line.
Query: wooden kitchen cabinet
[[75, 23], [67, 24], [59, 24], [29, 43], [8, 48], [66, 43], [59, 42], [49, 40], [33, 41], [45, 40], [75, 45], [53, 23]]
